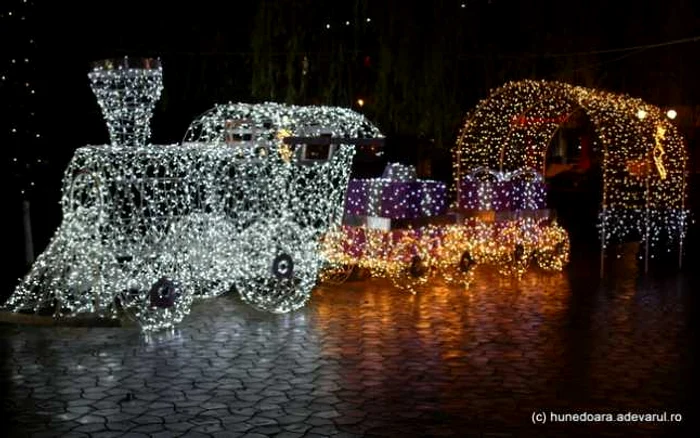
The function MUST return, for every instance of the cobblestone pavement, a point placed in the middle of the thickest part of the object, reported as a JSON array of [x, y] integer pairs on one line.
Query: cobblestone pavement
[[364, 359]]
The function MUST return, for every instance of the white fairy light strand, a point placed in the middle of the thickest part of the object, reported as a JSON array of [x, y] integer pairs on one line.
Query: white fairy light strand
[[398, 194], [235, 123], [522, 189]]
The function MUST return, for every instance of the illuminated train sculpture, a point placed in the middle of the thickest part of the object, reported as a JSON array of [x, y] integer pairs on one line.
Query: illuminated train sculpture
[[148, 228], [253, 200]]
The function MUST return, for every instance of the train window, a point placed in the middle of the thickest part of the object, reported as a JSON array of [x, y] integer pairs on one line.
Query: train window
[[316, 152]]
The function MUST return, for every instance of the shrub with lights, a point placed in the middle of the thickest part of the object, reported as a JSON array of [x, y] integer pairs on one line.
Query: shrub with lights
[[643, 156]]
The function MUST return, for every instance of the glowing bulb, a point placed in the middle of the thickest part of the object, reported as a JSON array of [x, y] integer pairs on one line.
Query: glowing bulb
[[671, 114], [282, 133], [360, 103], [641, 114]]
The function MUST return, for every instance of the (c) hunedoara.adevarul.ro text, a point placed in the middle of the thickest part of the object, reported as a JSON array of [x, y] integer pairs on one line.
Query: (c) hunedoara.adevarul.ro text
[[593, 417]]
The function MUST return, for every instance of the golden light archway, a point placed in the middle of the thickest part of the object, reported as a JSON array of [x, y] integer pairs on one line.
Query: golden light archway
[[643, 156]]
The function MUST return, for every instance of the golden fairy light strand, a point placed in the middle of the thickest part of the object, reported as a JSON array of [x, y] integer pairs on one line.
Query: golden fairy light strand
[[409, 257]]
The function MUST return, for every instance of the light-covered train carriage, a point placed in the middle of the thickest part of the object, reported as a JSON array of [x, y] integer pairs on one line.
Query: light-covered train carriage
[[399, 226], [507, 221]]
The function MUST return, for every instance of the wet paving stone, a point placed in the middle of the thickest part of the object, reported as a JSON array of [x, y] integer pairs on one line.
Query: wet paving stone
[[363, 359]]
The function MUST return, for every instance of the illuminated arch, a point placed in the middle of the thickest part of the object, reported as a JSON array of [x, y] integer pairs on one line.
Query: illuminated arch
[[643, 156]]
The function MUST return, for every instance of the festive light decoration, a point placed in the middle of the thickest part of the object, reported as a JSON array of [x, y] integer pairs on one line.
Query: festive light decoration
[[399, 172], [409, 257], [127, 90], [397, 195], [203, 217], [635, 200], [508, 234], [146, 229], [486, 189], [659, 151]]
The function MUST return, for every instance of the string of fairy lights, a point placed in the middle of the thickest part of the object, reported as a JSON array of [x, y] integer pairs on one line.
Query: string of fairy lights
[[486, 189], [398, 194], [235, 122], [644, 159]]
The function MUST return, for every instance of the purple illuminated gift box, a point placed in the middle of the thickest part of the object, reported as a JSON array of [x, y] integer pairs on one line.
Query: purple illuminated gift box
[[389, 198]]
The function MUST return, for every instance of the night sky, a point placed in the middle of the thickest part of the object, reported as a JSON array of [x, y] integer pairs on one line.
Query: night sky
[[208, 51]]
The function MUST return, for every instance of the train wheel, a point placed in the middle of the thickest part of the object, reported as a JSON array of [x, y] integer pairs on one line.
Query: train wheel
[[162, 305], [410, 277], [336, 274], [278, 266]]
